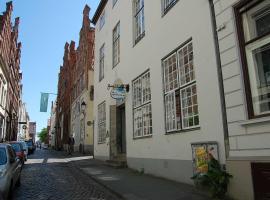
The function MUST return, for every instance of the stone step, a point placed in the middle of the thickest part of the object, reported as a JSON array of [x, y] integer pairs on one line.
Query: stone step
[[116, 163]]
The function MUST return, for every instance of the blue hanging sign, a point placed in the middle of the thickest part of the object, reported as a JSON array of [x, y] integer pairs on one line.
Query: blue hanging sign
[[118, 93]]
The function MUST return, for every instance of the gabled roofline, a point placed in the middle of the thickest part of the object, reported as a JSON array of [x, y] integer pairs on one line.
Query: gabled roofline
[[99, 10]]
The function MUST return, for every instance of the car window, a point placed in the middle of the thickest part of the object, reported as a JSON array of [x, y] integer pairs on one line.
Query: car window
[[29, 143], [3, 156], [16, 147], [24, 145]]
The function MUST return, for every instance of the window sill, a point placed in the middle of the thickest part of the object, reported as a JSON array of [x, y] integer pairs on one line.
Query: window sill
[[183, 131], [115, 65], [139, 39], [255, 121], [143, 137]]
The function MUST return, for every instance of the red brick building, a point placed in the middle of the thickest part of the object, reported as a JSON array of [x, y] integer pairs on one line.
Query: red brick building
[[10, 53], [64, 95], [73, 78], [85, 56]]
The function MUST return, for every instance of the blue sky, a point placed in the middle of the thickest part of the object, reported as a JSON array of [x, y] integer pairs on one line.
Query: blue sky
[[45, 26]]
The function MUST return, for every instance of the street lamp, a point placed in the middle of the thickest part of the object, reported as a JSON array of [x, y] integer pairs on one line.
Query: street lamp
[[83, 107]]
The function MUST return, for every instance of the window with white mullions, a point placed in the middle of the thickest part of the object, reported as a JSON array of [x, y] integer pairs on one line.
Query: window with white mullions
[[101, 62], [101, 122], [185, 56], [138, 19], [181, 106], [171, 73], [116, 44], [189, 106], [142, 111]]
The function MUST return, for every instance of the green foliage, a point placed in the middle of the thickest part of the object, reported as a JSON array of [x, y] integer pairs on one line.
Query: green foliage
[[43, 134], [216, 179]]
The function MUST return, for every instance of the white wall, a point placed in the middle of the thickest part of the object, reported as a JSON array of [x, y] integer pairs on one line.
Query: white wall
[[162, 35]]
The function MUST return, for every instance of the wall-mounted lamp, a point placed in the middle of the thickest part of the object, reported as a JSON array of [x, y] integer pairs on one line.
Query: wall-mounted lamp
[[83, 106]]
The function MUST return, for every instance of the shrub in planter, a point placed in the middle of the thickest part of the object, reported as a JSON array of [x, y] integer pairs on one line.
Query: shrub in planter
[[215, 179]]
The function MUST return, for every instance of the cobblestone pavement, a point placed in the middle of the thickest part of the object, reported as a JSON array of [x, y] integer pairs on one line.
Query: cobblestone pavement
[[50, 175]]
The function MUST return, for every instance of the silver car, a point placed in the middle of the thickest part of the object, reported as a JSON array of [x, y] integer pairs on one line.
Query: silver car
[[10, 170]]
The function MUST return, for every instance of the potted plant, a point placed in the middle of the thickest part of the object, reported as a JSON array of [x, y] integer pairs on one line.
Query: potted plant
[[215, 179]]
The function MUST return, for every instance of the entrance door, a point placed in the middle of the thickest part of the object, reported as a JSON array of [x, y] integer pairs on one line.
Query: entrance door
[[121, 129], [261, 180]]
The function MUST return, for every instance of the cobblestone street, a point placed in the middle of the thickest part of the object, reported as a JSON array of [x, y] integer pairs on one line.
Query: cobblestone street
[[50, 175]]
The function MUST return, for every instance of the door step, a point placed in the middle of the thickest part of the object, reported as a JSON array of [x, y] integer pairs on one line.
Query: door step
[[116, 163]]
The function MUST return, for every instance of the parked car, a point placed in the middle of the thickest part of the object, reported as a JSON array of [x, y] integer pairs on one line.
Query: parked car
[[31, 146], [10, 170], [18, 148], [25, 149]]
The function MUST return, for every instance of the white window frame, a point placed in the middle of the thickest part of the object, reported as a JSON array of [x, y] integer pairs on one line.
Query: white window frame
[[102, 123], [102, 20], [114, 2], [138, 20], [171, 118], [167, 5], [251, 42], [101, 62], [116, 44], [142, 108]]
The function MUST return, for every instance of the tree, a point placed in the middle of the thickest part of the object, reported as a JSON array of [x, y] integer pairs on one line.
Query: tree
[[43, 134]]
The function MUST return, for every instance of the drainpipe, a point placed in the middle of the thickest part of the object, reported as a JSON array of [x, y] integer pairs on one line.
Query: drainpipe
[[220, 79]]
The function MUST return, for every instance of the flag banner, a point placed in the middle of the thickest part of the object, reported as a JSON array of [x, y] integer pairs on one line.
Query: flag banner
[[44, 102]]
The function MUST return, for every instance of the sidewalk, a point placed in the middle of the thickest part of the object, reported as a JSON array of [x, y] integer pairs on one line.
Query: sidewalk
[[132, 185]]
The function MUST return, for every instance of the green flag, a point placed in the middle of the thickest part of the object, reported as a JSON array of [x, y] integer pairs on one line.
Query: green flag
[[44, 102]]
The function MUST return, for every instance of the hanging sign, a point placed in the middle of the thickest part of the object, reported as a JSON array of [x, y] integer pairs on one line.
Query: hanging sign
[[118, 93]]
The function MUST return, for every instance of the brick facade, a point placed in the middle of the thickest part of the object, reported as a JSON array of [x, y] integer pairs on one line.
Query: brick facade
[[73, 77], [85, 56], [63, 95], [10, 53]]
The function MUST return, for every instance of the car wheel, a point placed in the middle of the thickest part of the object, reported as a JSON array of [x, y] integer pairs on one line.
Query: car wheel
[[18, 183]]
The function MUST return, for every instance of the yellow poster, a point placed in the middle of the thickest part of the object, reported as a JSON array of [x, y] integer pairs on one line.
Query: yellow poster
[[201, 159]]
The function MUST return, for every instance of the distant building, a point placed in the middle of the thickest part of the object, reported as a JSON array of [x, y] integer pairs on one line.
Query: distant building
[[81, 104], [32, 131], [23, 120], [52, 125], [64, 96]]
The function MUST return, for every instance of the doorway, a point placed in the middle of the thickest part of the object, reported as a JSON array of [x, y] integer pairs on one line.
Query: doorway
[[121, 129], [261, 180]]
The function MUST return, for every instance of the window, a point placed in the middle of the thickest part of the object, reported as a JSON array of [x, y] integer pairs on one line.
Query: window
[[254, 33], [116, 44], [102, 20], [167, 5], [114, 2], [142, 111], [2, 96], [101, 62], [138, 7], [101, 122], [180, 92]]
